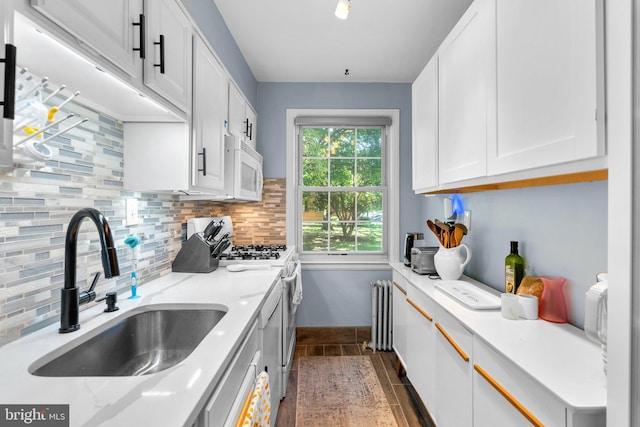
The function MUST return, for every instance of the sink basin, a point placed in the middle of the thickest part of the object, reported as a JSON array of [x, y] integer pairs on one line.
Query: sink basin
[[140, 342]]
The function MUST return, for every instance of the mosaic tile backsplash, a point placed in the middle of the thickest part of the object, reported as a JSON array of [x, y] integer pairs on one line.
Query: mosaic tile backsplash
[[38, 200]]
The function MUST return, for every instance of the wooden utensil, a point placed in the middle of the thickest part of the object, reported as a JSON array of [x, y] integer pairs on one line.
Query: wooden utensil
[[434, 228], [461, 227], [442, 225], [453, 239], [458, 233]]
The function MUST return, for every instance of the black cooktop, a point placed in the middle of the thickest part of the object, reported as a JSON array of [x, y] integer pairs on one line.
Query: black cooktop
[[254, 252]]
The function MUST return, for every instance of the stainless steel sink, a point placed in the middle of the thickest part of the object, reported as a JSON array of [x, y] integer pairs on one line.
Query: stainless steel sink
[[139, 343]]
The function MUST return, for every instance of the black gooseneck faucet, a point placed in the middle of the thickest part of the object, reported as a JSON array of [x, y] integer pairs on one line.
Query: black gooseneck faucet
[[71, 297]]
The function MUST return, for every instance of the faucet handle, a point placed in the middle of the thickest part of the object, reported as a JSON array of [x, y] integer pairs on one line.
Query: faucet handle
[[90, 295], [94, 282]]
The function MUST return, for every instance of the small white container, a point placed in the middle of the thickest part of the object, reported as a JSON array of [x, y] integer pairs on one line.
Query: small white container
[[509, 306], [528, 306]]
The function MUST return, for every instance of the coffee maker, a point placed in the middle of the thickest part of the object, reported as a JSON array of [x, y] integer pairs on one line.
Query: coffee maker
[[409, 239]]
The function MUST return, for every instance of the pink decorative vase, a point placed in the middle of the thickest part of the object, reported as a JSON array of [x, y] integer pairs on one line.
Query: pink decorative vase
[[552, 304]]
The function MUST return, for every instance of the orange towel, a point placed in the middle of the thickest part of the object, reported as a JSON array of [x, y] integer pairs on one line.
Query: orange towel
[[258, 412]]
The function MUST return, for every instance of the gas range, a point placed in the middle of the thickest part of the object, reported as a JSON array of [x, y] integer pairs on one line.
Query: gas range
[[254, 252], [274, 255]]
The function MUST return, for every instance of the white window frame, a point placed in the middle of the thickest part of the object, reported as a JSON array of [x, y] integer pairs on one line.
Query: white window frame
[[391, 219]]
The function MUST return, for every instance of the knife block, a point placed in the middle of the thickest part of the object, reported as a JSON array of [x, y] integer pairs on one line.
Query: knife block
[[195, 257]]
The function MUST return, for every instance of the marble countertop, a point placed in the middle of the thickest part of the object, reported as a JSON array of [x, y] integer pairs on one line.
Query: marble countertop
[[558, 356], [172, 397]]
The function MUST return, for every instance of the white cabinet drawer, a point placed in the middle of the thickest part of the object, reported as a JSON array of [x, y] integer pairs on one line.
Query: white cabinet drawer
[[460, 339], [505, 395], [421, 337], [228, 390], [453, 346], [400, 286]]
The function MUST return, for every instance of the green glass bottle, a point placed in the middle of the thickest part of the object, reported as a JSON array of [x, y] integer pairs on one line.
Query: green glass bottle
[[513, 269]]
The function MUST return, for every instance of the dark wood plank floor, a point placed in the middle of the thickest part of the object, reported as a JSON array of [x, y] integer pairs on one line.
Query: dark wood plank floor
[[402, 397]]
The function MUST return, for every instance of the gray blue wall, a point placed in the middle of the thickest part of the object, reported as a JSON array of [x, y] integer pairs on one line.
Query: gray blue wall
[[561, 230], [337, 297]]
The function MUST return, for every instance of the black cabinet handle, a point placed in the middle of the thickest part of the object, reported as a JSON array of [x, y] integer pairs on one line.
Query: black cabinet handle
[[251, 132], [204, 161], [246, 127], [142, 26], [9, 100], [161, 64]]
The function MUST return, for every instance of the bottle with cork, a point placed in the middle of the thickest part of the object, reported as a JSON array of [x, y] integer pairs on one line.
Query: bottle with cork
[[513, 269]]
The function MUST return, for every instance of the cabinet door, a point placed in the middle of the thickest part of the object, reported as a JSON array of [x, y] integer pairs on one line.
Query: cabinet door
[[547, 86], [156, 156], [424, 99], [503, 395], [421, 346], [106, 26], [252, 132], [6, 125], [237, 117], [454, 371], [400, 318], [167, 67], [209, 115], [466, 63]]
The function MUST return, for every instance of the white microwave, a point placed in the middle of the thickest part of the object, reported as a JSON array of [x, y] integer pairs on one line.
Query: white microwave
[[243, 170]]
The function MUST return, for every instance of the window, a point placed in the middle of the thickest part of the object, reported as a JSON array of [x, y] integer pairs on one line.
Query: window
[[342, 189], [343, 180]]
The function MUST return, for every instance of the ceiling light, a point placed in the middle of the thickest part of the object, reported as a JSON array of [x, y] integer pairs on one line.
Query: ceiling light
[[343, 8]]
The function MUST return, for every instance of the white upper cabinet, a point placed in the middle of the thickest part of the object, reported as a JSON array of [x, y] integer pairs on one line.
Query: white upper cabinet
[[243, 120], [547, 85], [467, 94], [252, 120], [520, 91], [424, 110], [7, 87], [167, 66], [209, 116], [150, 41], [105, 26]]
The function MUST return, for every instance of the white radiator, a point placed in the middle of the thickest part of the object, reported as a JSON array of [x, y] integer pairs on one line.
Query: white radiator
[[381, 315]]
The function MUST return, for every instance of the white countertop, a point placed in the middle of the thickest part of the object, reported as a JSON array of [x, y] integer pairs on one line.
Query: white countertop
[[559, 356], [172, 397]]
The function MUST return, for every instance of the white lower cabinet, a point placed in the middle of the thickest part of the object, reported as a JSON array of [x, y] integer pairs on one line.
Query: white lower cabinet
[[226, 402], [454, 372], [465, 378], [421, 368], [400, 285], [504, 395]]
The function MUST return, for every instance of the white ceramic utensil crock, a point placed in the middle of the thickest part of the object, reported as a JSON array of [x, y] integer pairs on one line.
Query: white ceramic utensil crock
[[450, 262]]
